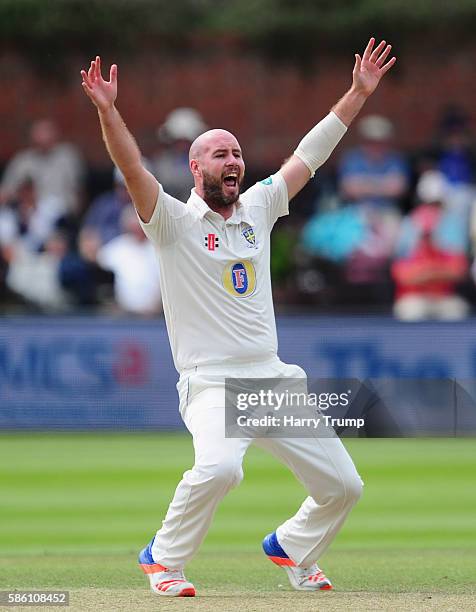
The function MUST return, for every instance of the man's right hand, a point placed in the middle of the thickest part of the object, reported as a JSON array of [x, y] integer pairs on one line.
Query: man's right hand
[[141, 184], [102, 93]]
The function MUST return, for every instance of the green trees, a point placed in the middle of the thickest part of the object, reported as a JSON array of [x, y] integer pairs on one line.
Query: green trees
[[64, 26]]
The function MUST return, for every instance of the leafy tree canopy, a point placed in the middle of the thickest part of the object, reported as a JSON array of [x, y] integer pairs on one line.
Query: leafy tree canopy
[[62, 26]]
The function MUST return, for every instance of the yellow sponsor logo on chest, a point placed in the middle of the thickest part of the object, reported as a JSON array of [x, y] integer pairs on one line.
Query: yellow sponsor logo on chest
[[239, 278]]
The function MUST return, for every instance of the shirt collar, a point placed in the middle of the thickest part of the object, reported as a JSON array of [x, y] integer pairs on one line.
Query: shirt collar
[[240, 212]]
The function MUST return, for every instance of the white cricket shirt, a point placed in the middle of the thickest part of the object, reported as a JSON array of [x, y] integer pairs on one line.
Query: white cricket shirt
[[215, 275]]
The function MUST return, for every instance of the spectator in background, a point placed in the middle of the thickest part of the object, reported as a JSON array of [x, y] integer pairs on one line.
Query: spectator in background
[[28, 219], [32, 247], [431, 256], [104, 214], [374, 174], [55, 167], [132, 259], [35, 276], [86, 283], [373, 178], [171, 164], [454, 157], [454, 151], [350, 248]]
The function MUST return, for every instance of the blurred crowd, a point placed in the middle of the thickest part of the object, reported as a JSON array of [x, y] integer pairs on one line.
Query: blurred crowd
[[386, 229], [62, 251], [397, 229]]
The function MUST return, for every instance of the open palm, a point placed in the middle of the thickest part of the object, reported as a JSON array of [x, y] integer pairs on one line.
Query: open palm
[[369, 69], [102, 93]]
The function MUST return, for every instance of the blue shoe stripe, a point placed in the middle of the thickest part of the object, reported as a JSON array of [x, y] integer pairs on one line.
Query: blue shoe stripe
[[272, 547], [145, 555]]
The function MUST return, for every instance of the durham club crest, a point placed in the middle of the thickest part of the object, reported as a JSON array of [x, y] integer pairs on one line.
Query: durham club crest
[[249, 235]]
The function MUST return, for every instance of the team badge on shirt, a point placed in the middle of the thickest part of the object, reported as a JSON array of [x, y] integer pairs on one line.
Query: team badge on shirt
[[211, 242], [249, 234], [239, 278]]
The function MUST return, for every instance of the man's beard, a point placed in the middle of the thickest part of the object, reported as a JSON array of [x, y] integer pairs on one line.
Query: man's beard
[[213, 192]]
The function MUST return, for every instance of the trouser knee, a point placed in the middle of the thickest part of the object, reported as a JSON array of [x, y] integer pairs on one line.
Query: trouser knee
[[349, 490], [220, 476], [343, 490], [353, 488]]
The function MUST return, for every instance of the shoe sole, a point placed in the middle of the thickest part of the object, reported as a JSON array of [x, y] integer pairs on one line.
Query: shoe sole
[[188, 592]]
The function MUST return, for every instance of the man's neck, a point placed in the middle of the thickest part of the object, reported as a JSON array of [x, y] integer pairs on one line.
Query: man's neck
[[225, 211]]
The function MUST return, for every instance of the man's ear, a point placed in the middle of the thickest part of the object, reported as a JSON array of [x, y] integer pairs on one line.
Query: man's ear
[[195, 167]]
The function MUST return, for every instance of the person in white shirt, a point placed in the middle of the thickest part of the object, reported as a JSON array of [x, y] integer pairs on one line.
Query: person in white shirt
[[214, 267], [132, 259]]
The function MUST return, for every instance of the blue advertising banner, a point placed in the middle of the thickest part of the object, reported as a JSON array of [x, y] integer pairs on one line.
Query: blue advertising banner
[[82, 373], [101, 373], [378, 347]]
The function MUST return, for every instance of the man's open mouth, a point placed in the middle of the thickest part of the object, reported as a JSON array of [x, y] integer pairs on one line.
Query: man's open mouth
[[231, 179]]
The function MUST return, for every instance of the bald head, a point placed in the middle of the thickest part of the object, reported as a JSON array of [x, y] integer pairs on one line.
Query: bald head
[[210, 140]]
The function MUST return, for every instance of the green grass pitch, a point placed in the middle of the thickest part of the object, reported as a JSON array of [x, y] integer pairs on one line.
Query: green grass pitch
[[76, 508]]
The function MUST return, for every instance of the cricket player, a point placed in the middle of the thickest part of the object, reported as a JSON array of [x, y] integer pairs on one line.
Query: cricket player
[[214, 258]]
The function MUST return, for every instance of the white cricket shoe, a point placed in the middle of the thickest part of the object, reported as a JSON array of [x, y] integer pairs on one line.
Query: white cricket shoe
[[164, 581], [307, 578], [171, 583], [301, 578]]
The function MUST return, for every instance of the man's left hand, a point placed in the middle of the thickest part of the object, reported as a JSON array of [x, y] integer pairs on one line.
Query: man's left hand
[[370, 68]]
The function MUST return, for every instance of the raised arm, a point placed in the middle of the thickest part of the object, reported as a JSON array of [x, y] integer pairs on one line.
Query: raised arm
[[121, 145], [316, 147]]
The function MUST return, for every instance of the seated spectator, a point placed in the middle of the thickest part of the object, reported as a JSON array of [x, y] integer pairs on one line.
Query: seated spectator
[[374, 174], [27, 218], [55, 167], [32, 248], [104, 214], [431, 257], [361, 233], [171, 164], [132, 259], [347, 251], [86, 283], [35, 276]]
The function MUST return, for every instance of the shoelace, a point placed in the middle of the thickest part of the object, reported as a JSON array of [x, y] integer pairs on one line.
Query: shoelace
[[312, 573]]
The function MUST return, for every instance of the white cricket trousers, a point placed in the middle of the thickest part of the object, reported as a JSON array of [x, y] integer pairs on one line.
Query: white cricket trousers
[[321, 464]]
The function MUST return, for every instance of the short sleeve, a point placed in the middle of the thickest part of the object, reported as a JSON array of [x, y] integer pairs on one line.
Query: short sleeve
[[170, 220], [271, 194]]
